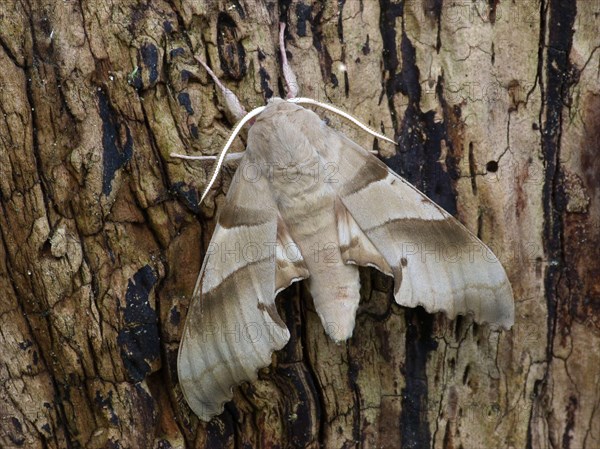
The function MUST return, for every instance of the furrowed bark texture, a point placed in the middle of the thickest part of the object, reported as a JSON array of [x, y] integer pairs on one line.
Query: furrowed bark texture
[[496, 106]]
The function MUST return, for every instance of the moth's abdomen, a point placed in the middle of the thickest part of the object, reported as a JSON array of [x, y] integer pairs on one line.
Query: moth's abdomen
[[334, 285]]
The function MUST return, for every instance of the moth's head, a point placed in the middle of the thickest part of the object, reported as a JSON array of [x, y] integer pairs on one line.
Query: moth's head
[[279, 102], [274, 100], [276, 105]]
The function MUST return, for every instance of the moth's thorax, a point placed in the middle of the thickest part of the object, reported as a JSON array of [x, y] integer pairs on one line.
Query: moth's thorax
[[284, 132], [281, 144]]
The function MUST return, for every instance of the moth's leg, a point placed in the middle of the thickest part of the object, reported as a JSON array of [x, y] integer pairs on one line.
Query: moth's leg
[[231, 101], [288, 73], [228, 157]]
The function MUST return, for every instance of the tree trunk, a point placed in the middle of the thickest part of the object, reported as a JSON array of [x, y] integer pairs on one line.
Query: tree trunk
[[496, 107]]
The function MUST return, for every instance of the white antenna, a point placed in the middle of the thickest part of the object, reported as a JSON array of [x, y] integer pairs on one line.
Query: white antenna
[[328, 107]]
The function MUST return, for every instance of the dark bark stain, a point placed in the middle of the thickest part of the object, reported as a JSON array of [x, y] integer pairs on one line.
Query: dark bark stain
[[448, 442], [139, 13], [107, 403], [168, 26], [187, 194], [313, 15], [366, 49], [453, 414], [383, 339], [340, 30], [194, 131], [25, 344], [560, 39], [346, 84], [139, 339], [288, 308], [418, 160], [493, 4], [284, 7], [408, 82], [148, 59], [301, 300], [340, 23], [554, 58], [176, 52], [420, 139], [354, 368], [184, 100], [387, 20], [453, 135], [465, 377], [514, 92], [433, 10], [220, 432], [117, 148], [15, 435], [146, 410], [175, 317], [325, 61], [163, 444], [111, 444], [472, 169], [303, 15], [135, 79], [413, 417], [238, 7], [302, 404], [232, 54], [264, 83], [570, 422], [458, 328], [298, 387]]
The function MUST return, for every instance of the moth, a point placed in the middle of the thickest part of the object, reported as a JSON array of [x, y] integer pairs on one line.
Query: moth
[[306, 202]]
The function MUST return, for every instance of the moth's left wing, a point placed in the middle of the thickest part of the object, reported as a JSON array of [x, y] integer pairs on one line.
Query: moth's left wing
[[436, 262], [232, 326]]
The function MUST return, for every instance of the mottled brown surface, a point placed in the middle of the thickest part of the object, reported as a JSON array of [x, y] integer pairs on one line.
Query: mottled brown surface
[[495, 105]]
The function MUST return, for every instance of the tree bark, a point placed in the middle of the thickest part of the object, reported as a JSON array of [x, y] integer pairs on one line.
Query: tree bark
[[496, 108]]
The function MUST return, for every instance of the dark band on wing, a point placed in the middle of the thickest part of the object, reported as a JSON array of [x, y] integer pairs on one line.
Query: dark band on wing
[[371, 171], [447, 232], [232, 216]]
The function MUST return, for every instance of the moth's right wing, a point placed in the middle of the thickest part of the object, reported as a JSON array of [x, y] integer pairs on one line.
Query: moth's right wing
[[232, 326], [436, 262]]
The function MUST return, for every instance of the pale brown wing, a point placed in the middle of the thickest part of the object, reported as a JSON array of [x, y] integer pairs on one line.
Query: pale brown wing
[[232, 326], [436, 262]]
